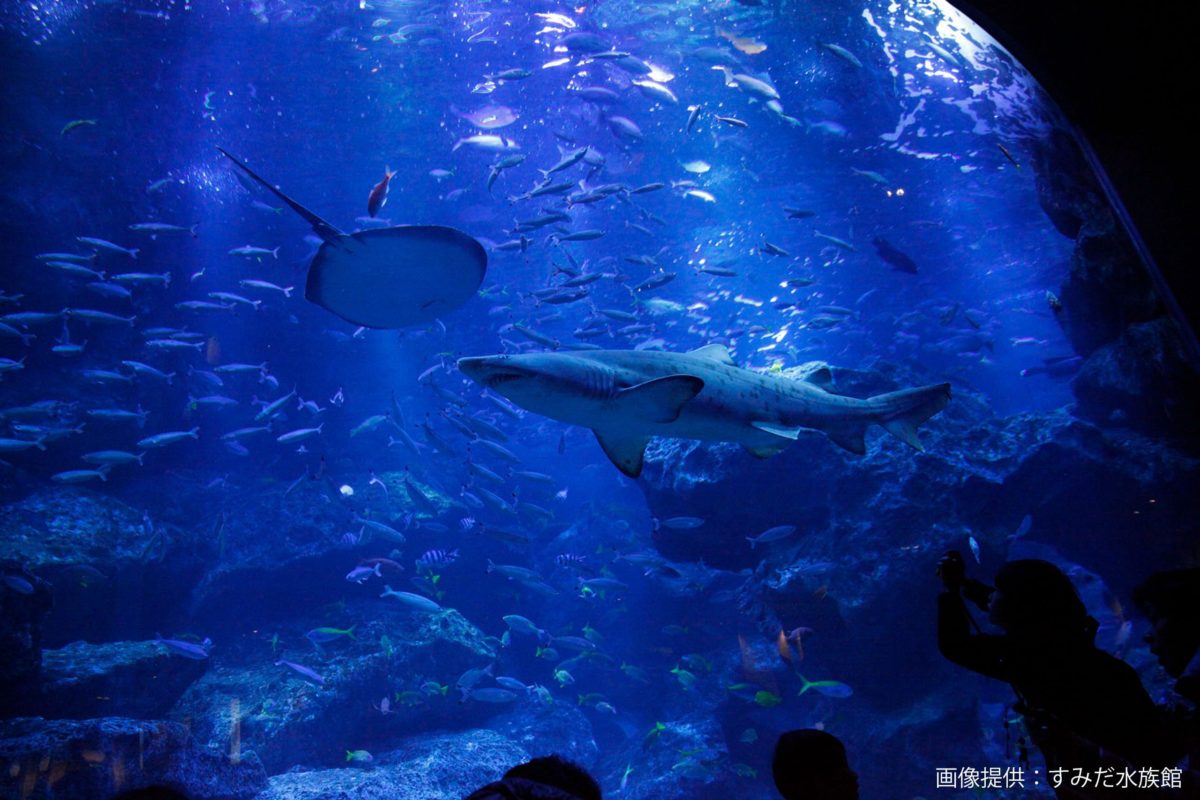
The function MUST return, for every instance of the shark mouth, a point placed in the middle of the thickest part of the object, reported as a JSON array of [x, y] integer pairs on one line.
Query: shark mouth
[[491, 371], [500, 378]]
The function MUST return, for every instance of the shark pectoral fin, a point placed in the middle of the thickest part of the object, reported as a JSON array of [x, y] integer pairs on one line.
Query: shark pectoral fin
[[849, 438], [715, 352], [778, 430], [660, 400], [767, 450], [626, 451]]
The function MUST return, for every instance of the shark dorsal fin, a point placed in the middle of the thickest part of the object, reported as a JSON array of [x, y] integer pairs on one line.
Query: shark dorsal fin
[[816, 373], [626, 451], [660, 400], [821, 377], [715, 352]]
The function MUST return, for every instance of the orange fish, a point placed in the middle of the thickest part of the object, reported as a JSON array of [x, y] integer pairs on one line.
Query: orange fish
[[93, 756], [781, 642], [796, 637], [378, 195], [747, 658]]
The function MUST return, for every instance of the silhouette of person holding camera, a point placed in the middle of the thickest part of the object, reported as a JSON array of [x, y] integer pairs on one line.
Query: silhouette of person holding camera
[[1083, 707]]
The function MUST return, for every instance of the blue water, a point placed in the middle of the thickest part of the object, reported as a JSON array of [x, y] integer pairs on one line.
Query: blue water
[[927, 148]]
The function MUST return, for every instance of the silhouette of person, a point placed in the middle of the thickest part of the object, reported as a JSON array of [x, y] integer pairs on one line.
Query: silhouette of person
[[1083, 707], [1170, 601], [151, 793], [546, 778], [810, 764]]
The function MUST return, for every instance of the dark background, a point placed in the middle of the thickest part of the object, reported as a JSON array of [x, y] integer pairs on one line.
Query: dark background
[[1126, 77]]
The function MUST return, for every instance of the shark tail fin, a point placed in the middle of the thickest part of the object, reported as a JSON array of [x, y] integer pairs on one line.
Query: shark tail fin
[[901, 412]]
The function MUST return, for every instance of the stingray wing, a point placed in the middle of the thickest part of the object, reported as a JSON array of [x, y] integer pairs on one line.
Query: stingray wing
[[396, 277]]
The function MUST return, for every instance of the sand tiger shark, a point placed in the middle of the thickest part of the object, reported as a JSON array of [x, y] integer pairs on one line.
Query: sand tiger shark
[[627, 396]]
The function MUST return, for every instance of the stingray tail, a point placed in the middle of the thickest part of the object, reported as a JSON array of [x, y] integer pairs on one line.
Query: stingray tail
[[323, 229]]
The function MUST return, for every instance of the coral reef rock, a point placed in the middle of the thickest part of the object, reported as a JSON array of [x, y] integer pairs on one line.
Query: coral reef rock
[[117, 573], [24, 601], [431, 767], [97, 758], [138, 679], [288, 719], [531, 724], [1142, 380]]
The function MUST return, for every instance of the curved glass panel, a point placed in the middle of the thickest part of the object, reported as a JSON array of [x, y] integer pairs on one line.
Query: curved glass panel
[[782, 303]]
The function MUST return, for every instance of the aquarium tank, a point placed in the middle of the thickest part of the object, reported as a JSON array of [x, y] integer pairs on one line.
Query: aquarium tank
[[393, 392]]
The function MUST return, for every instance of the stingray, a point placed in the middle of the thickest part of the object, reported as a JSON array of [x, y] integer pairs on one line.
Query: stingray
[[388, 277]]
